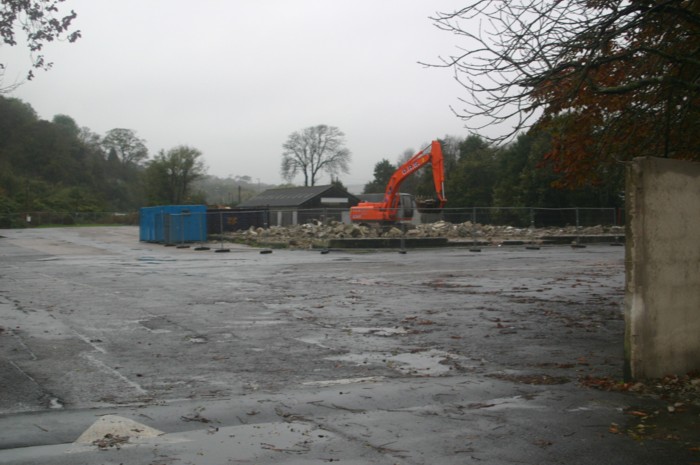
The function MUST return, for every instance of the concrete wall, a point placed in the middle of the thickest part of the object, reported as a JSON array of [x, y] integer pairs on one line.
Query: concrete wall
[[662, 296]]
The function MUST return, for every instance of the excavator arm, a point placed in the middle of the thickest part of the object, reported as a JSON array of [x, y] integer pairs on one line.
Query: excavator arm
[[386, 211]]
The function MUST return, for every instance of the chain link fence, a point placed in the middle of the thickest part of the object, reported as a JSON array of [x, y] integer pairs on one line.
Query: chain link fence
[[46, 219], [521, 217], [219, 221], [536, 217]]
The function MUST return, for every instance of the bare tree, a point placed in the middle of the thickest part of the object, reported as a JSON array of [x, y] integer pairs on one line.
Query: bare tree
[[41, 23], [619, 76], [314, 150]]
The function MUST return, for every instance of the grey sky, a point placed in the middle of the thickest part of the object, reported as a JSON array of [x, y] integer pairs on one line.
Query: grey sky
[[235, 78]]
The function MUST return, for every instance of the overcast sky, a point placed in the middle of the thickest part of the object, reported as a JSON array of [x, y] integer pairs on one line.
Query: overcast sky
[[235, 78]]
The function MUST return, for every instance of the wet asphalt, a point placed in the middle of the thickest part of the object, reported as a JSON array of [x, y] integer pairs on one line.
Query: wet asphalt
[[436, 356]]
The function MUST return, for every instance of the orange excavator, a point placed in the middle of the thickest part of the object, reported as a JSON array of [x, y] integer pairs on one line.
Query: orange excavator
[[387, 211]]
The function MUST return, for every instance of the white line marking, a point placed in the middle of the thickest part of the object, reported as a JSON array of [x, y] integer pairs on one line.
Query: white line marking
[[101, 365]]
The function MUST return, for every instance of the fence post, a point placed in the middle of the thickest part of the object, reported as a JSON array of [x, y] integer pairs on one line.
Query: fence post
[[167, 229], [221, 234], [182, 233], [474, 247], [202, 231], [577, 242], [578, 224]]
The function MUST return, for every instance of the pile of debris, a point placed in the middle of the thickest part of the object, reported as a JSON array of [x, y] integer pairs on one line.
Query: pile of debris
[[317, 234]]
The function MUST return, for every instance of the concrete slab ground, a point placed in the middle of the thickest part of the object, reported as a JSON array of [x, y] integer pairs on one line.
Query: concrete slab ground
[[437, 356]]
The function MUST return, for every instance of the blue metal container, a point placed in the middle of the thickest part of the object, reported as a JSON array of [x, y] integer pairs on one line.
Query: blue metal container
[[173, 224]]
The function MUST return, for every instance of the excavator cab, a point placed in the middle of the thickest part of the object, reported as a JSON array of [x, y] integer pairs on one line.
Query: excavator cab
[[407, 205], [403, 212]]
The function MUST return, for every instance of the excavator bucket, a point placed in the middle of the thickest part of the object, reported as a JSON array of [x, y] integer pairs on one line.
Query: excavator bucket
[[428, 206]]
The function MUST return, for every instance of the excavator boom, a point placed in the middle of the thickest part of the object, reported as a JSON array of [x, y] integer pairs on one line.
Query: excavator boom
[[386, 211]]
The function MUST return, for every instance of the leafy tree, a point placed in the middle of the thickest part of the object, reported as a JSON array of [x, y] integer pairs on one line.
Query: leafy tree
[[90, 139], [314, 150], [8, 210], [73, 199], [339, 184], [51, 153], [67, 123], [524, 181], [170, 174], [382, 173], [472, 181], [125, 146], [15, 118], [608, 79], [450, 151], [521, 179], [41, 22], [56, 166]]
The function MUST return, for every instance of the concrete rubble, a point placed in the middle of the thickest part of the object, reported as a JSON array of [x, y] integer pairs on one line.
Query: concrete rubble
[[317, 234]]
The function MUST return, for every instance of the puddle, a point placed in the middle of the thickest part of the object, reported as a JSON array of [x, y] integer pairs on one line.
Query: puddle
[[159, 331], [316, 341], [253, 322], [386, 332], [342, 382], [431, 362], [364, 282], [155, 259], [159, 325], [506, 403], [54, 403], [278, 442]]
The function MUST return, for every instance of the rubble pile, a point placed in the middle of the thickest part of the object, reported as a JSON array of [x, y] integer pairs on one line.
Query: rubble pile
[[317, 234]]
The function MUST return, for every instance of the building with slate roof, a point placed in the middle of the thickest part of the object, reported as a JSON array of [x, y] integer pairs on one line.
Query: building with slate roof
[[298, 205]]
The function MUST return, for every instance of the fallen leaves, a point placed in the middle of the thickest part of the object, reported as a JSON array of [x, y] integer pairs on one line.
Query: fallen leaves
[[675, 417], [604, 384], [532, 379], [110, 440], [674, 389], [637, 413], [543, 443], [417, 321], [196, 416]]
